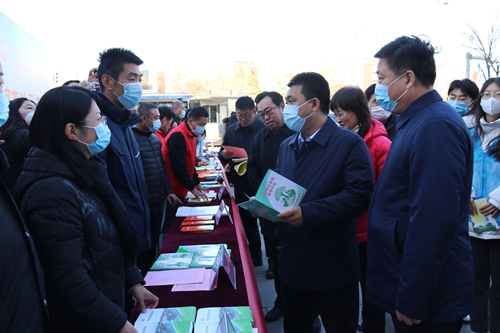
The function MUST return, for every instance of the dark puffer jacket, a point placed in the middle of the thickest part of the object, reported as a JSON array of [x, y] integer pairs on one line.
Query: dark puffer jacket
[[78, 244], [155, 173], [16, 147]]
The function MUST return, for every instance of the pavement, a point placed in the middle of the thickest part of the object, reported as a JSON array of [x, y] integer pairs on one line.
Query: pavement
[[268, 295]]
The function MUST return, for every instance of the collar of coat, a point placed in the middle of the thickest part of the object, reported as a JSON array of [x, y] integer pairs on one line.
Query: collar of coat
[[421, 103], [322, 137]]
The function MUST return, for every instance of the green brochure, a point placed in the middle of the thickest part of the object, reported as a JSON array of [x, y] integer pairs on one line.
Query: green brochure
[[276, 194], [179, 320]]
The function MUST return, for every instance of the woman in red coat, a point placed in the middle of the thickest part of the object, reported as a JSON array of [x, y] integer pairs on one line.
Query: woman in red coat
[[352, 113]]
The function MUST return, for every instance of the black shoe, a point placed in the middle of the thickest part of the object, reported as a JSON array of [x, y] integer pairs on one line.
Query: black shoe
[[360, 325], [317, 325], [270, 271], [273, 315], [257, 262]]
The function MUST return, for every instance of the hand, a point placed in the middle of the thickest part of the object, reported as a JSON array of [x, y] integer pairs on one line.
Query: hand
[[199, 194], [227, 168], [93, 76], [473, 208], [488, 209], [226, 155], [144, 297], [293, 217], [202, 163], [2, 142], [86, 85], [408, 321], [128, 328], [172, 198]]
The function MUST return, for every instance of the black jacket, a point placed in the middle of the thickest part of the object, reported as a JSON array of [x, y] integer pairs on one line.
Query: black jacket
[[78, 240], [125, 171], [390, 126], [154, 167], [237, 136], [23, 305], [265, 149], [16, 147]]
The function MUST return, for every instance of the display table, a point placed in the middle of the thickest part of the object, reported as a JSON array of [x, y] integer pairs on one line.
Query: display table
[[246, 294]]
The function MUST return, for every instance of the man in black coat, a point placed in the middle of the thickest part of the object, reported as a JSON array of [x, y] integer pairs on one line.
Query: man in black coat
[[23, 306], [154, 171], [241, 135], [265, 149]]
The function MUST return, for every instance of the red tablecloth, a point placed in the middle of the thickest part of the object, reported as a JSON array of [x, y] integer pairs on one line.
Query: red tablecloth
[[246, 294]]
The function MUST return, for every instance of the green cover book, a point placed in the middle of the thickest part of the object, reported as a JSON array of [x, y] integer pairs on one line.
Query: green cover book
[[178, 320], [276, 194], [234, 313], [208, 250]]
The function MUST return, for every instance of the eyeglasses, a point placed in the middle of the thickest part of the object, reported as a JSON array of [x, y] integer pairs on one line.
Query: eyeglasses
[[268, 113], [245, 116], [340, 115], [103, 120], [488, 95]]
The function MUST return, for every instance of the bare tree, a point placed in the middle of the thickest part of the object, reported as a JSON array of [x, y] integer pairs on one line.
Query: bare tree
[[485, 46]]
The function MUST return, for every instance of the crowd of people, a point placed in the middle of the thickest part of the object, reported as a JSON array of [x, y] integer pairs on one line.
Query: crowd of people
[[91, 180]]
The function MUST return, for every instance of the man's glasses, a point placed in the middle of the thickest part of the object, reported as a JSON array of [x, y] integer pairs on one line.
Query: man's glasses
[[267, 113], [243, 116]]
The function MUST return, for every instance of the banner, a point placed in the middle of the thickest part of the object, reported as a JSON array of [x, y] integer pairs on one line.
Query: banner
[[23, 61]]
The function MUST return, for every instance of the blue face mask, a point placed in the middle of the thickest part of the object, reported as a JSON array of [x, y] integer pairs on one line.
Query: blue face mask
[[132, 94], [183, 114], [156, 125], [460, 107], [4, 108], [382, 95], [199, 130], [103, 138], [292, 119]]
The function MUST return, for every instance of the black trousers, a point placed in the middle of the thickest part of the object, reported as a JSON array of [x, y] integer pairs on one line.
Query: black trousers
[[423, 327], [251, 230], [272, 254], [338, 309], [148, 257], [373, 317], [486, 254]]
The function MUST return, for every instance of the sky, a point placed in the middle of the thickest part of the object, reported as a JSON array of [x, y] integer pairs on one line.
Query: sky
[[200, 36]]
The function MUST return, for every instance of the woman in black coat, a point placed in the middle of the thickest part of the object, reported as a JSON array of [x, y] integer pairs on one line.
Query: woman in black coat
[[86, 240], [15, 132]]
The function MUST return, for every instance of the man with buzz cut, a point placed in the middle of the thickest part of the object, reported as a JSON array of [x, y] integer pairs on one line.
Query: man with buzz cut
[[318, 241], [420, 266], [120, 81]]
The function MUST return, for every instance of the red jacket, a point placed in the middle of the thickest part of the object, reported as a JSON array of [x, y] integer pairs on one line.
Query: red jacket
[[159, 133], [379, 145], [190, 158]]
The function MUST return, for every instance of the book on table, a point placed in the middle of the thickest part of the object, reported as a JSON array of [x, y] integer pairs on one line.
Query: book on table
[[276, 194], [180, 320]]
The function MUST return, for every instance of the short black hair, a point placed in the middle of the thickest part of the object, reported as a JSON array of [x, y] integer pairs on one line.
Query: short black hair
[[352, 99], [410, 53], [245, 103], [197, 113], [71, 81], [369, 92], [467, 86], [167, 112], [226, 120], [112, 61], [313, 85], [276, 98], [145, 109]]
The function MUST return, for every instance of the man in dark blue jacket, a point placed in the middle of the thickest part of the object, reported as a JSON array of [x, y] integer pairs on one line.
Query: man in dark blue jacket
[[317, 241], [119, 78], [420, 266]]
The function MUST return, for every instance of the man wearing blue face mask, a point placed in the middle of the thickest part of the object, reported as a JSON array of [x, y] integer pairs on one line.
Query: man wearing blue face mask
[[179, 109], [155, 174], [119, 78], [317, 241], [420, 266]]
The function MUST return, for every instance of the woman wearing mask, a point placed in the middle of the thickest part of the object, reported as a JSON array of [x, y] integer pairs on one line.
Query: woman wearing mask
[[385, 117], [486, 184], [352, 113], [86, 241], [15, 132]]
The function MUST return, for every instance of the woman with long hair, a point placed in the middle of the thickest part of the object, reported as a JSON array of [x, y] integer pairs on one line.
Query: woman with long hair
[[352, 112], [486, 184], [86, 241], [15, 133]]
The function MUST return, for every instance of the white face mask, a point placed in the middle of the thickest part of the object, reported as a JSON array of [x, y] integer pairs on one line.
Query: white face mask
[[29, 117], [380, 113], [491, 106]]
